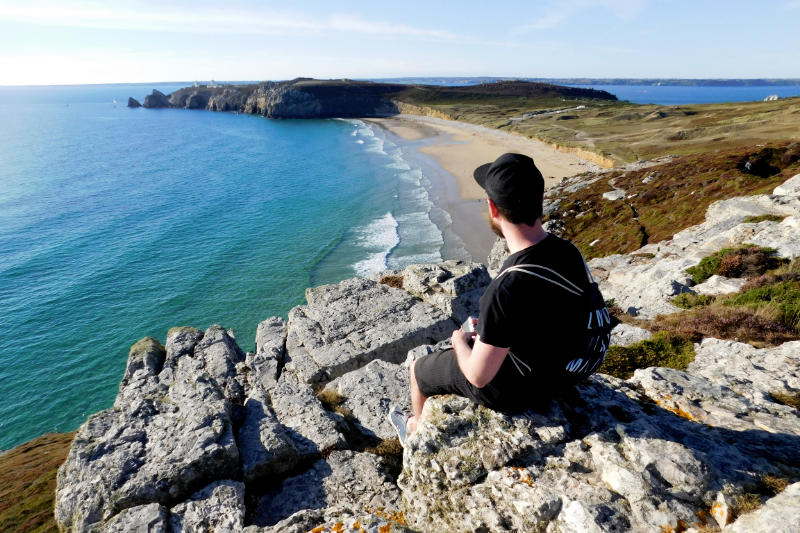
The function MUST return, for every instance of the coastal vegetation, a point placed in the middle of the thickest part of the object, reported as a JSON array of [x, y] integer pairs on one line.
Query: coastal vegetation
[[765, 312], [662, 200], [665, 349], [28, 483]]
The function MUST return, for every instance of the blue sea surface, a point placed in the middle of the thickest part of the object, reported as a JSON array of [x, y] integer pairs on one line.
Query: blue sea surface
[[117, 223], [680, 95]]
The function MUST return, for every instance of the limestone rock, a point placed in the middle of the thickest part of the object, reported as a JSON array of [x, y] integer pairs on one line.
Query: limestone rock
[[265, 364], [716, 285], [367, 393], [345, 326], [311, 429], [608, 456], [497, 256], [218, 507], [790, 187], [156, 99], [615, 194], [167, 436], [265, 446], [780, 514], [753, 373], [625, 335], [454, 287], [153, 518], [357, 480], [133, 103]]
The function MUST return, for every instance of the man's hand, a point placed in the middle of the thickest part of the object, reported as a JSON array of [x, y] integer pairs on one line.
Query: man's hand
[[462, 339]]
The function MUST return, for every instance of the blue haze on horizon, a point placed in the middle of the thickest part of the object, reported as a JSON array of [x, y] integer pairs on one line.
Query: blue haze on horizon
[[76, 42]]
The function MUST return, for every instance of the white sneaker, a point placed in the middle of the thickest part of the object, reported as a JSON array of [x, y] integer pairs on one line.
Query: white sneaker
[[399, 418]]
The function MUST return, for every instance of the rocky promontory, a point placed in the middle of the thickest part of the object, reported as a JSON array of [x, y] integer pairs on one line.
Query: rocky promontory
[[293, 437], [311, 98]]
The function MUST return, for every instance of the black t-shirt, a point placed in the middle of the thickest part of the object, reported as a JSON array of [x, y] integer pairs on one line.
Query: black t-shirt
[[547, 309]]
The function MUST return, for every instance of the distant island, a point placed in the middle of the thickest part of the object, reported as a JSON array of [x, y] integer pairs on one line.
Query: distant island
[[679, 82]]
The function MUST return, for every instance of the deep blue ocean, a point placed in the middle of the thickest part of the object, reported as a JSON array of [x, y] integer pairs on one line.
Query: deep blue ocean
[[120, 223]]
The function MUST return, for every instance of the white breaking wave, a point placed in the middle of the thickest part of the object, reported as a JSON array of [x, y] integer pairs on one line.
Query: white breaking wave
[[379, 237]]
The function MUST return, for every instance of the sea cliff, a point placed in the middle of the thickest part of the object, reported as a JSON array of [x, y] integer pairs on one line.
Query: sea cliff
[[310, 98], [293, 436]]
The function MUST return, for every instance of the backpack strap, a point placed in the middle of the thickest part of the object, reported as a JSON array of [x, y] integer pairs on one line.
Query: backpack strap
[[547, 274]]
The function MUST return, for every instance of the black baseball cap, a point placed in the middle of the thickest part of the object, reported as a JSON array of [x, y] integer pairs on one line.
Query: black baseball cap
[[513, 182]]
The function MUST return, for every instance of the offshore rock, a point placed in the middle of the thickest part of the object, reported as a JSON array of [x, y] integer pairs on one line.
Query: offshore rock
[[609, 456], [156, 100], [133, 103], [169, 433], [351, 479], [367, 394], [347, 325]]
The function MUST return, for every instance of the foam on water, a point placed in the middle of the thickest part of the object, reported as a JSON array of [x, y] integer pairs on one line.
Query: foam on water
[[378, 238]]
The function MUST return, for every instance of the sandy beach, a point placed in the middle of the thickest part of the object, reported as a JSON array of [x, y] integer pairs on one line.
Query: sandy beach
[[459, 148]]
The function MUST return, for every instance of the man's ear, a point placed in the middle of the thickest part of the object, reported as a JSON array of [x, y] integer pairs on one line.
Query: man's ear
[[493, 212]]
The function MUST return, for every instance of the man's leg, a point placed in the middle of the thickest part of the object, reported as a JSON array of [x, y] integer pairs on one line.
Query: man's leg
[[417, 400]]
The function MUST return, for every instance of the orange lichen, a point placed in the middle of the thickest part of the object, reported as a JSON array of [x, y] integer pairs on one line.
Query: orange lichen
[[676, 410], [318, 529], [680, 527], [398, 517], [520, 474]]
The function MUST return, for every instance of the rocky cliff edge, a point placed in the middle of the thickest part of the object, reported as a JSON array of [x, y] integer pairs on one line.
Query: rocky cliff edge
[[293, 437]]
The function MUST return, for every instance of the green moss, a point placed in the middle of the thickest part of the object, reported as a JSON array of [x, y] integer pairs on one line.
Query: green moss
[[764, 218], [665, 349], [688, 300]]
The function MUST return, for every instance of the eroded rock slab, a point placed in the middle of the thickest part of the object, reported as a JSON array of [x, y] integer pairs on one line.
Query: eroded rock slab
[[169, 433], [345, 326], [367, 393], [454, 287], [606, 457], [625, 335], [345, 478], [218, 507]]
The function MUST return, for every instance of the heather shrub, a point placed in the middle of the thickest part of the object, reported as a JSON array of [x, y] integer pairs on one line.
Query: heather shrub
[[744, 261], [665, 349], [723, 322], [780, 301]]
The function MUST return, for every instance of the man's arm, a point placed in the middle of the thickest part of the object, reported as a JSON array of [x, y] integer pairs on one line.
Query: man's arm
[[480, 363]]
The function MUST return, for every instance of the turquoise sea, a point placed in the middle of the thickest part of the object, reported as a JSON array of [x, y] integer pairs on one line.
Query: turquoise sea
[[119, 223]]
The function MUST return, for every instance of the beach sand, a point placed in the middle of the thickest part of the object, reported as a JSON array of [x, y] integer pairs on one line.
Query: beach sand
[[459, 148]]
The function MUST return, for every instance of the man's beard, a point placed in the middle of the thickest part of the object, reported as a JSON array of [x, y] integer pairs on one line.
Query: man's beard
[[496, 228]]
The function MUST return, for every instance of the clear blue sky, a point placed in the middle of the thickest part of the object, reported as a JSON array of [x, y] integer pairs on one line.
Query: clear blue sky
[[70, 41]]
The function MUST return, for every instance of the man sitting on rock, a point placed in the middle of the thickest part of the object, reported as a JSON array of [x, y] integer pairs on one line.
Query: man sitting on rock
[[543, 324]]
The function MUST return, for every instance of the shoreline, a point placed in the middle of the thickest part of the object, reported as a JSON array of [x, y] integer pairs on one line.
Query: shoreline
[[457, 148]]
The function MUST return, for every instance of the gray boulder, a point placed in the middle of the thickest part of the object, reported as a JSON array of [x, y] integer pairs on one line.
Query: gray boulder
[[150, 518], [610, 456], [454, 287], [311, 429], [347, 325], [169, 434], [265, 446], [353, 480], [497, 256], [625, 334], [265, 364], [367, 394], [218, 507]]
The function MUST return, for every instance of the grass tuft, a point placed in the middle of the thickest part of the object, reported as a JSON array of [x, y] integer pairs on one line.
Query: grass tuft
[[792, 399], [665, 349], [393, 281], [688, 300], [763, 218]]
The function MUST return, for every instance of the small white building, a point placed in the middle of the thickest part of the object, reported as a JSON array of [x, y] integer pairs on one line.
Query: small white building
[[771, 98]]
